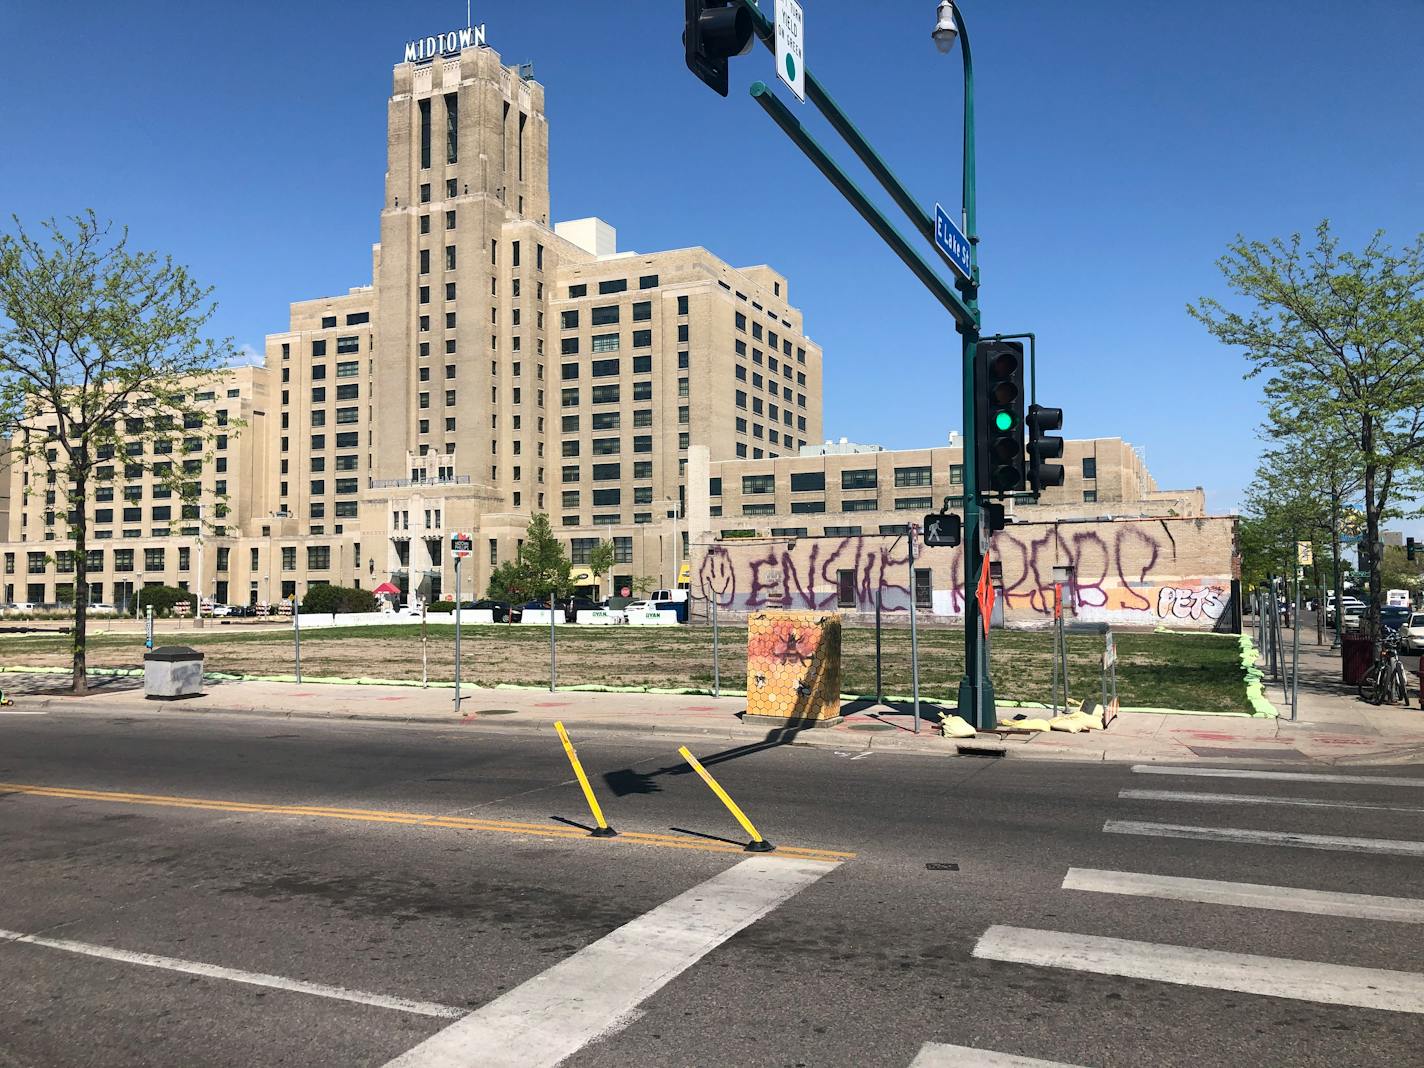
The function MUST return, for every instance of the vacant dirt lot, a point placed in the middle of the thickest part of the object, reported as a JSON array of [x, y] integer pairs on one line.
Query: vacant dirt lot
[[1200, 672]]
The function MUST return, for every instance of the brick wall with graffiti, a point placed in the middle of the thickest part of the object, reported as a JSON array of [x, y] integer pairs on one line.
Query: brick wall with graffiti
[[1175, 572]]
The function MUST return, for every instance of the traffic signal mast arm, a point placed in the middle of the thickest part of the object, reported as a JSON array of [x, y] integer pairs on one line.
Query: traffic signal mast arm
[[921, 269]]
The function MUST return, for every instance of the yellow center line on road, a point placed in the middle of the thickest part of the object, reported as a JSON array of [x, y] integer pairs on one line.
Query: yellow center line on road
[[422, 819]]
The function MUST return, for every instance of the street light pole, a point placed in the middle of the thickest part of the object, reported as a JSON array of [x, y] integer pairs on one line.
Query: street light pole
[[976, 692]]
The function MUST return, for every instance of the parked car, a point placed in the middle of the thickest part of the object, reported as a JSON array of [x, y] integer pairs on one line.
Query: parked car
[[217, 611], [22, 608], [499, 610], [1392, 617], [102, 610], [1411, 635], [574, 605], [668, 595], [1353, 607]]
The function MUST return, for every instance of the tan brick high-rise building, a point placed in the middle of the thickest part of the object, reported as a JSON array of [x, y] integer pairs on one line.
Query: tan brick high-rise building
[[496, 367]]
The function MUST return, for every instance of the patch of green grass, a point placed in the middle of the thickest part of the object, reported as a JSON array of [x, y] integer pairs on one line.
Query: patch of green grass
[[1161, 670]]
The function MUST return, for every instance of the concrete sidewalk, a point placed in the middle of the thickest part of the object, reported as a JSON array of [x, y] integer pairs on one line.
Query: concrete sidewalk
[[1334, 727]]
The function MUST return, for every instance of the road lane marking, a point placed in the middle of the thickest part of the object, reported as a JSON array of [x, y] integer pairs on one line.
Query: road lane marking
[[1299, 980], [1247, 895], [215, 971], [1255, 799], [422, 819], [1279, 776], [596, 991], [1340, 843], [939, 1055]]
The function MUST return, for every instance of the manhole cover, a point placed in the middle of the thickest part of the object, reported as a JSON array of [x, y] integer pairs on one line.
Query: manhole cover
[[497, 712], [870, 727]]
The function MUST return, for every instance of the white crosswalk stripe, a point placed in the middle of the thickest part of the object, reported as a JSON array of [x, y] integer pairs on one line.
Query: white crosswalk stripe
[[1395, 847], [939, 1055], [1194, 797], [1246, 895], [1299, 980], [1278, 776]]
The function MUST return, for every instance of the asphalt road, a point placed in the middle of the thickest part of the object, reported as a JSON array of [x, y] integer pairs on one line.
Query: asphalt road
[[442, 912]]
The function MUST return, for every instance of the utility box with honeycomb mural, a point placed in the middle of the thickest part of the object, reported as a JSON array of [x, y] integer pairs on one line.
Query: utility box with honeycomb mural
[[794, 669]]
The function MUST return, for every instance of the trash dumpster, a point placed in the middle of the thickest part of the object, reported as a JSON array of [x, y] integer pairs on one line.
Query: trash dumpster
[[1356, 655], [172, 671]]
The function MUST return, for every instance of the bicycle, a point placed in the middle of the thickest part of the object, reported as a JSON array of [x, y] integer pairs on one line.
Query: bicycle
[[1384, 682]]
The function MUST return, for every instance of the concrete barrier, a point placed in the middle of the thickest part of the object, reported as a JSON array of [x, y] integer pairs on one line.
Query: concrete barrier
[[540, 616], [600, 617], [652, 619]]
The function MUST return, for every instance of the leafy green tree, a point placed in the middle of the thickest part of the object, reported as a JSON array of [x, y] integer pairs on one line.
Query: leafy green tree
[[165, 599], [338, 599], [601, 558], [101, 349], [1339, 336], [543, 565], [506, 583], [1302, 491]]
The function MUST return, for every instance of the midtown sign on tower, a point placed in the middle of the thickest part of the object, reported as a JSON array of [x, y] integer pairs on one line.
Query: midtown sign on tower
[[424, 49]]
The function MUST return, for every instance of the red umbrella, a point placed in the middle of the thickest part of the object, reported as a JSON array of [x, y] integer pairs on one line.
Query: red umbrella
[[386, 587]]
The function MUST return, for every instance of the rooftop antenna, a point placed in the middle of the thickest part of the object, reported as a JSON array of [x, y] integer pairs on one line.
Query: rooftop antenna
[[467, 13]]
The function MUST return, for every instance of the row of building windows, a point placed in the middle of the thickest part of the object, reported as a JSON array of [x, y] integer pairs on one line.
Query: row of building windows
[[864, 478], [613, 285]]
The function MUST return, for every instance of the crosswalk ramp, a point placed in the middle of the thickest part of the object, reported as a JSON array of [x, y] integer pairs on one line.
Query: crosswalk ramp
[[1294, 801]]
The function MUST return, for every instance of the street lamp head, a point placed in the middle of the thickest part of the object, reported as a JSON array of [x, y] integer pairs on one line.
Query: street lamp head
[[945, 31]]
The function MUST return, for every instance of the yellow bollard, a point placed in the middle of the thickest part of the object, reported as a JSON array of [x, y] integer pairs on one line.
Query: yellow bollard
[[758, 844], [602, 830]]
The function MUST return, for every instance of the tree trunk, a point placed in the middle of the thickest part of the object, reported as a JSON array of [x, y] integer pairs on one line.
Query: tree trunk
[[1372, 518], [1339, 581], [79, 486]]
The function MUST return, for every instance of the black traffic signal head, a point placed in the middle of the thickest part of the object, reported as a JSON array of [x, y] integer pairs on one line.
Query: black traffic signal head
[[999, 415], [994, 516], [716, 30], [1411, 547], [1043, 447]]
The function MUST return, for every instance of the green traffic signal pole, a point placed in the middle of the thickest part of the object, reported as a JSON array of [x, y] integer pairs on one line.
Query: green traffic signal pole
[[976, 694], [976, 691]]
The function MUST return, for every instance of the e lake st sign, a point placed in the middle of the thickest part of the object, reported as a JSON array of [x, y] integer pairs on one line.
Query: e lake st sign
[[950, 240], [424, 49]]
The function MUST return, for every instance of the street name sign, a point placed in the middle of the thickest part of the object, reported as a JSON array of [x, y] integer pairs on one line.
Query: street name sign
[[950, 240], [461, 545], [791, 47]]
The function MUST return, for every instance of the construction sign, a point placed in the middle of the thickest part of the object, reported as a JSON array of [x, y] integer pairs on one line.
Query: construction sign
[[985, 595]]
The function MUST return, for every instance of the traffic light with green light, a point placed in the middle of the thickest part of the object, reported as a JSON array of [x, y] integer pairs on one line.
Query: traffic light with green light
[[999, 415], [716, 31]]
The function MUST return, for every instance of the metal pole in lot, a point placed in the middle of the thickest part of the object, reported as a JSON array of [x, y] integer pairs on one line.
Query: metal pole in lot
[[457, 634], [879, 679], [297, 634], [424, 648], [914, 640], [716, 654], [553, 652], [1295, 646]]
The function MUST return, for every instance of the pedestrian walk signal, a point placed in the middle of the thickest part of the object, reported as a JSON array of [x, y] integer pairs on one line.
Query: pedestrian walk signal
[[943, 530]]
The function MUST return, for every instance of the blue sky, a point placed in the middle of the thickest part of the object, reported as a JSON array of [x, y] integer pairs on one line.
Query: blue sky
[[1120, 147]]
